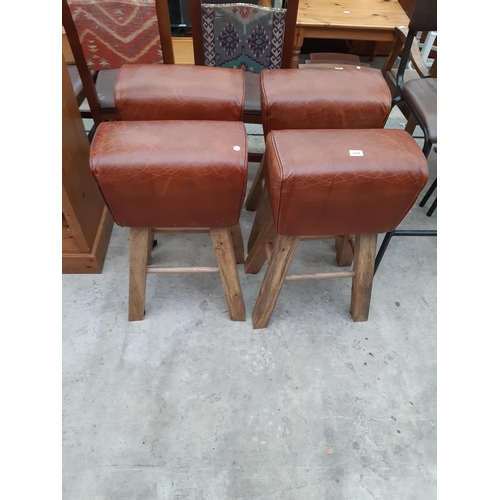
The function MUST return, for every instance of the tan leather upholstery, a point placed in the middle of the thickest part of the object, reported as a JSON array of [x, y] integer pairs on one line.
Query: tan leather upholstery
[[421, 93], [324, 98], [317, 188], [174, 92], [171, 173]]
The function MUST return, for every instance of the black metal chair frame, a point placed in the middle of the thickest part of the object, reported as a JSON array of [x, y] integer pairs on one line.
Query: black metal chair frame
[[412, 32]]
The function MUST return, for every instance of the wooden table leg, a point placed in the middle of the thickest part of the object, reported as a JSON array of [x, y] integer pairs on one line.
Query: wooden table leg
[[298, 41], [276, 272], [224, 252], [364, 263], [139, 253]]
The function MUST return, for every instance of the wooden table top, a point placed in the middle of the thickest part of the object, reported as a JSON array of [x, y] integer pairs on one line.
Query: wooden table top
[[363, 14]]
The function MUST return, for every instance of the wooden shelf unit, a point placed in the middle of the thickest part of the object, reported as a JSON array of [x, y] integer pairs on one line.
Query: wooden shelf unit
[[86, 221]]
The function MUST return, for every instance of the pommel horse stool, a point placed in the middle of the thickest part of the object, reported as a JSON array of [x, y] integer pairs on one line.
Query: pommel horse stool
[[331, 182], [176, 163], [174, 177]]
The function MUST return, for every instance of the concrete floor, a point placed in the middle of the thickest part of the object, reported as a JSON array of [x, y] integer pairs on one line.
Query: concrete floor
[[189, 405]]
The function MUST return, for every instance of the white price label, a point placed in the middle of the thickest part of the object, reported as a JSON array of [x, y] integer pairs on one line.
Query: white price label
[[356, 152]]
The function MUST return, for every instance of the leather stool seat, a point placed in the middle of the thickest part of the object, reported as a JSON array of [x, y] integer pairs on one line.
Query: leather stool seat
[[172, 92], [321, 99], [171, 173], [331, 182], [175, 176], [342, 181]]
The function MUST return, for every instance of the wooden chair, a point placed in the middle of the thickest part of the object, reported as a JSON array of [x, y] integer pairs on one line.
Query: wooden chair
[[104, 35], [247, 36], [418, 70]]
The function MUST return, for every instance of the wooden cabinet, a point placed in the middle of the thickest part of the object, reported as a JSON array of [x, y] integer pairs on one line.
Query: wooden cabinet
[[86, 222]]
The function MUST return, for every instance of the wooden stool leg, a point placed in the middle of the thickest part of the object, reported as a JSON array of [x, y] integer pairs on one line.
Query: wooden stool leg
[[343, 247], [276, 271], [140, 250], [364, 263], [239, 247], [258, 255], [263, 232], [261, 217], [224, 252], [256, 189]]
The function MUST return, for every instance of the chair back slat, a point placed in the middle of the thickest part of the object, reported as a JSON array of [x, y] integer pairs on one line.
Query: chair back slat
[[113, 32], [424, 16]]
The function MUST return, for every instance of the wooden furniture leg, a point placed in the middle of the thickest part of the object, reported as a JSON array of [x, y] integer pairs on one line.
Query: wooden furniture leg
[[263, 233], [139, 253], [364, 264], [344, 249], [261, 217], [258, 254], [224, 252], [256, 189], [239, 247], [298, 41], [276, 272]]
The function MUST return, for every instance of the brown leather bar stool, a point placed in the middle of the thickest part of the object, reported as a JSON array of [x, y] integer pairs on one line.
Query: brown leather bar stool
[[324, 182], [174, 176]]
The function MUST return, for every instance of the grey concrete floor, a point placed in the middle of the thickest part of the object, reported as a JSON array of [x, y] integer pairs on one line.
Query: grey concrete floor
[[189, 405]]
